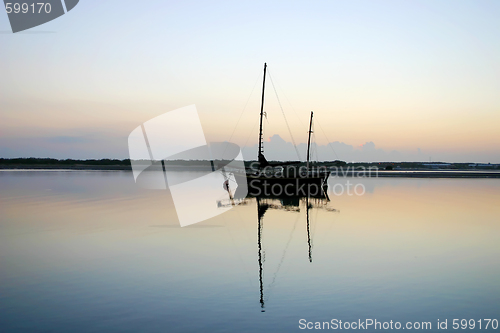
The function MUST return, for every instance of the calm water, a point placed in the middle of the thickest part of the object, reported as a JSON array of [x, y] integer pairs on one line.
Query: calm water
[[91, 252]]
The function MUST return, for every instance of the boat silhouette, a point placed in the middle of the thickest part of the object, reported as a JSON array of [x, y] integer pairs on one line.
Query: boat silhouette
[[291, 178], [283, 202]]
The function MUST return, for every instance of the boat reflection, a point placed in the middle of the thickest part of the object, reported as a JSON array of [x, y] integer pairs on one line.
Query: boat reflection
[[285, 203]]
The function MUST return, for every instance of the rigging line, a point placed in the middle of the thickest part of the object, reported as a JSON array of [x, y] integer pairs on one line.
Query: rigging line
[[264, 127], [271, 285], [291, 106], [234, 181], [315, 225], [251, 132], [229, 179], [316, 147], [326, 233], [283, 112], [329, 144], [241, 114], [313, 145], [242, 262]]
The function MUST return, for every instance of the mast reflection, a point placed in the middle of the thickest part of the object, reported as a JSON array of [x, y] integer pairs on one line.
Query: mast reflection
[[286, 204], [261, 210]]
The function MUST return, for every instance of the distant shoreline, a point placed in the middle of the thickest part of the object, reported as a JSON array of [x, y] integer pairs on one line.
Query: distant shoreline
[[357, 174], [340, 168], [66, 167]]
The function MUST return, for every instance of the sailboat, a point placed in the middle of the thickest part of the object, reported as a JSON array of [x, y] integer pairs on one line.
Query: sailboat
[[284, 178]]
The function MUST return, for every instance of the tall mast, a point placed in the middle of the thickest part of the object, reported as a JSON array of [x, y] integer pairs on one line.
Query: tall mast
[[309, 141], [261, 148]]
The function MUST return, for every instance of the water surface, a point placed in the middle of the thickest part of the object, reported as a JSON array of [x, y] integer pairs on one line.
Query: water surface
[[92, 252]]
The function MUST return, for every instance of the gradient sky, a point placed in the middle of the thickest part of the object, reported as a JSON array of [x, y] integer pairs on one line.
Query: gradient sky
[[419, 78]]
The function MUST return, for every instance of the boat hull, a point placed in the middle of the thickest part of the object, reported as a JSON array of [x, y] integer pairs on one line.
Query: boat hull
[[272, 186]]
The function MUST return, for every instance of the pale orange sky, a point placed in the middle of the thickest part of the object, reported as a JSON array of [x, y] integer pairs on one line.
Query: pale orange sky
[[405, 76]]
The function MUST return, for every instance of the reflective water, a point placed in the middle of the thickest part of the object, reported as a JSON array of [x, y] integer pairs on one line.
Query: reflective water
[[91, 252]]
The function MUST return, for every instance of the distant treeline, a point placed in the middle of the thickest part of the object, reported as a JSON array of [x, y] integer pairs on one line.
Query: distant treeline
[[53, 161], [125, 162], [116, 164]]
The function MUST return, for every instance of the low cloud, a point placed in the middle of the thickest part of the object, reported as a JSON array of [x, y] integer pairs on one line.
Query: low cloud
[[278, 149], [95, 144], [75, 147]]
